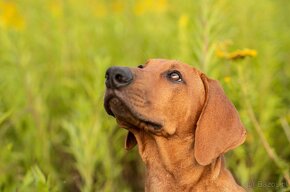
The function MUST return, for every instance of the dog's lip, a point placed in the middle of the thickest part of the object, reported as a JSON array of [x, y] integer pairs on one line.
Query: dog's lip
[[107, 104], [139, 117]]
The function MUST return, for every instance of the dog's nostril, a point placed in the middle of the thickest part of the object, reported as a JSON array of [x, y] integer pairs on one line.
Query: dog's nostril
[[122, 79], [119, 78]]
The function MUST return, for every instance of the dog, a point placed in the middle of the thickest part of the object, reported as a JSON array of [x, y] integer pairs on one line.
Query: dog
[[181, 121]]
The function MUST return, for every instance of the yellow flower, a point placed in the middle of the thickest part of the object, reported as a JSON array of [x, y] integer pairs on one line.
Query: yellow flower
[[183, 21], [161, 5], [240, 54], [142, 7], [10, 16], [99, 9], [222, 52], [227, 79], [118, 6], [146, 6], [56, 8]]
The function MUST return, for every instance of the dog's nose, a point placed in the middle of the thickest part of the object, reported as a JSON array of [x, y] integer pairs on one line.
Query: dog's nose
[[117, 77]]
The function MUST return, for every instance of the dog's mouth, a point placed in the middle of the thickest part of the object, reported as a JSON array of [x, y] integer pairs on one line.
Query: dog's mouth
[[127, 117]]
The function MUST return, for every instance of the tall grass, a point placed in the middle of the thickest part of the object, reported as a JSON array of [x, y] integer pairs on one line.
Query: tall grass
[[54, 132]]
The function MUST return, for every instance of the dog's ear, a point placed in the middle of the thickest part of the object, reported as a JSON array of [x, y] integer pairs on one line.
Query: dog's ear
[[130, 141], [219, 128]]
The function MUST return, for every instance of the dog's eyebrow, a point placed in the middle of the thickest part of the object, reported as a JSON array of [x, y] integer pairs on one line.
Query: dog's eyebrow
[[174, 66]]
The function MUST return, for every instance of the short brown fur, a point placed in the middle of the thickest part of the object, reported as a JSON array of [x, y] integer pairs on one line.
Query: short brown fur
[[199, 124]]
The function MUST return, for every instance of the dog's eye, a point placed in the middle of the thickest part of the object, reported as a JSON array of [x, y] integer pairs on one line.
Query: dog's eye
[[141, 66], [175, 76]]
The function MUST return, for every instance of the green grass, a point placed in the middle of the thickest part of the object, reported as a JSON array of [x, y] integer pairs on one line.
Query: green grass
[[54, 132]]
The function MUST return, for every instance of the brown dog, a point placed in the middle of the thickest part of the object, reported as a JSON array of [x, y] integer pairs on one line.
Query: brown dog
[[182, 122]]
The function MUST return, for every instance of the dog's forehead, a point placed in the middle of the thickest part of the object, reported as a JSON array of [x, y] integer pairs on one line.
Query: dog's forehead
[[164, 64]]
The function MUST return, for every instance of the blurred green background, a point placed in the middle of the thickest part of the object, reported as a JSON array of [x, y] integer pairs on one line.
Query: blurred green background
[[54, 132]]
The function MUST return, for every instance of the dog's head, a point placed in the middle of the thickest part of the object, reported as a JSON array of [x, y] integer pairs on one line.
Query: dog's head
[[166, 98]]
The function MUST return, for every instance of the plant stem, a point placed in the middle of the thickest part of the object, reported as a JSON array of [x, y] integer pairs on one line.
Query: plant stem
[[265, 143], [271, 153], [285, 127]]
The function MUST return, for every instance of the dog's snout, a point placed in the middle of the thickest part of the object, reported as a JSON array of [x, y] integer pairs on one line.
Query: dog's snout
[[117, 77]]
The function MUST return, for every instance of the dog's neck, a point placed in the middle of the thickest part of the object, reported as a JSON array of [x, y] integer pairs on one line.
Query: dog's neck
[[169, 166], [158, 178]]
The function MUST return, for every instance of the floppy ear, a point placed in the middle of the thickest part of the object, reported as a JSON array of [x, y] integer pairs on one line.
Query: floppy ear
[[219, 128], [130, 141]]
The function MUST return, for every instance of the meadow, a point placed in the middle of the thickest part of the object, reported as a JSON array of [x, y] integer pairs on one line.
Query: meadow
[[54, 132]]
